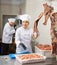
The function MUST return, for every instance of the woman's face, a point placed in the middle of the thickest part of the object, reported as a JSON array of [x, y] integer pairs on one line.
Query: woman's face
[[25, 24]]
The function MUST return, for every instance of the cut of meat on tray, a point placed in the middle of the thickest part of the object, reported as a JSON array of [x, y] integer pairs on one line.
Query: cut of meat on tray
[[30, 56], [44, 47]]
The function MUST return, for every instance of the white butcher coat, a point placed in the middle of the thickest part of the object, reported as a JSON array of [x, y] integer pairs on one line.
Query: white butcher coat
[[7, 33], [23, 36]]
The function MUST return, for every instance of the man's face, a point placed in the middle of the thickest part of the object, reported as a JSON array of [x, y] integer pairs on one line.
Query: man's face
[[11, 23], [25, 24]]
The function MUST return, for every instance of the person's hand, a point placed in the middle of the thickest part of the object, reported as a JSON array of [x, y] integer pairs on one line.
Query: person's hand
[[24, 47], [44, 23], [35, 34]]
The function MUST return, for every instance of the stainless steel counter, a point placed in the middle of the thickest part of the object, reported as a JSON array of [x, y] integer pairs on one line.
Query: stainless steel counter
[[5, 60]]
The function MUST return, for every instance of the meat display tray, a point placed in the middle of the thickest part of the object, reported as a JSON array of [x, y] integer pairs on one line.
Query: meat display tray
[[47, 53], [30, 60]]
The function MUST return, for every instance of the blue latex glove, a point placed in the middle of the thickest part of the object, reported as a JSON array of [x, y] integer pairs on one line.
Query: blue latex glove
[[12, 56]]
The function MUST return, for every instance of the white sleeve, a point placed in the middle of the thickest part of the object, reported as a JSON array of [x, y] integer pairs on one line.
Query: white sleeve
[[8, 31], [31, 31], [17, 37]]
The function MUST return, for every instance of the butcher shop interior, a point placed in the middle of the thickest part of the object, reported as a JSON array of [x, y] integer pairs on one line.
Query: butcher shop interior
[[28, 32]]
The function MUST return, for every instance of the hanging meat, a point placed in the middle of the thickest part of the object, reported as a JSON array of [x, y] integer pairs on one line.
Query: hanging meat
[[47, 11], [35, 29]]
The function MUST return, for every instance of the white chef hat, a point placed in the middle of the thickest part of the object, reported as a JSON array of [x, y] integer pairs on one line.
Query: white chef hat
[[25, 17], [11, 19]]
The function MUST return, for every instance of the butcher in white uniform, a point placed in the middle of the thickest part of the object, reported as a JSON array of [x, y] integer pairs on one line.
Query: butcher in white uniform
[[24, 34], [8, 32]]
